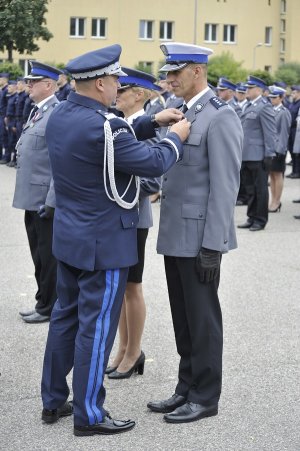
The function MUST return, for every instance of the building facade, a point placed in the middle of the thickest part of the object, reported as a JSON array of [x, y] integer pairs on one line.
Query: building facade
[[261, 34]]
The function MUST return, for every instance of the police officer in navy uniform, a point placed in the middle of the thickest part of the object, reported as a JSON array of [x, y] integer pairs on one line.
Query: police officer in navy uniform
[[196, 227], [259, 126], [4, 157], [95, 160], [64, 87], [22, 96], [34, 191], [10, 122], [226, 90]]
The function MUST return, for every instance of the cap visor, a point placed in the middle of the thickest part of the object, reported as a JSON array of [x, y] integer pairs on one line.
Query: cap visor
[[34, 77], [172, 67]]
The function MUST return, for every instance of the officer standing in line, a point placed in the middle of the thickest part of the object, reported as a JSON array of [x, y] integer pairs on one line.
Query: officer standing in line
[[226, 90], [10, 121], [240, 94], [22, 96], [258, 122], [196, 227], [64, 86], [283, 124], [95, 158], [4, 158], [34, 191], [294, 108]]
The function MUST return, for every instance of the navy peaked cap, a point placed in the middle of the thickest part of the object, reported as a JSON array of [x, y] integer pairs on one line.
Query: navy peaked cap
[[4, 75], [276, 91], [255, 81], [178, 55], [281, 84], [97, 63], [138, 78], [223, 83], [295, 88], [12, 82], [240, 87], [41, 70]]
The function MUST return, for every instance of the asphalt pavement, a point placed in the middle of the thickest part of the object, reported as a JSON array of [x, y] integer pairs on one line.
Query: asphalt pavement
[[260, 297]]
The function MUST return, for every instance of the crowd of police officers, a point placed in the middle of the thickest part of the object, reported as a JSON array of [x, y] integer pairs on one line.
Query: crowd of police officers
[[15, 107]]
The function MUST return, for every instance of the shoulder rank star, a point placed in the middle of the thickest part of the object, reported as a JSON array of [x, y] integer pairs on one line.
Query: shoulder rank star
[[45, 108], [198, 107]]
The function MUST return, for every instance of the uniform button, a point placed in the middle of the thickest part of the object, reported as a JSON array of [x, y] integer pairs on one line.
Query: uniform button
[[200, 216], [132, 223], [165, 179], [225, 241], [164, 197]]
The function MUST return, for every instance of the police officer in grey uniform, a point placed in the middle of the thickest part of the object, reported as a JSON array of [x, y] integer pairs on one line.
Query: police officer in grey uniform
[[258, 122], [34, 190], [196, 227], [226, 90]]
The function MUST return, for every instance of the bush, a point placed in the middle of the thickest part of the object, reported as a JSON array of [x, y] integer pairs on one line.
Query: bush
[[14, 70]]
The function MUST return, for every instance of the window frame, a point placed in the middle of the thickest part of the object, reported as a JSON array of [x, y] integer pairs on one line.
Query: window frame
[[77, 27], [269, 32], [229, 28], [98, 27], [165, 29], [146, 29], [210, 27]]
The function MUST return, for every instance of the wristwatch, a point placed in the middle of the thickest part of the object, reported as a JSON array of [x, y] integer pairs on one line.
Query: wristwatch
[[153, 121]]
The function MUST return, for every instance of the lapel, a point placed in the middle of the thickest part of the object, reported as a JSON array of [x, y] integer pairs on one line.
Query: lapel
[[40, 112], [199, 106]]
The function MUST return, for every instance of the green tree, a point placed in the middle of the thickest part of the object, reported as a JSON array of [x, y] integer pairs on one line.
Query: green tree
[[225, 65], [21, 24], [289, 73], [14, 70]]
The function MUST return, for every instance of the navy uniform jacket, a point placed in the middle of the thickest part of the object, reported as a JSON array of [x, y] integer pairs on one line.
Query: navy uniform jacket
[[3, 101], [11, 109], [22, 96], [92, 232], [258, 122], [293, 109], [63, 92]]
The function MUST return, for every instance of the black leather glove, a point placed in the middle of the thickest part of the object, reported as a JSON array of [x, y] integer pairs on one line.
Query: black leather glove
[[45, 212], [267, 163], [208, 264]]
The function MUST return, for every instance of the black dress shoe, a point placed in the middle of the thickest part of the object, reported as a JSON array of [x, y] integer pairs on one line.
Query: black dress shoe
[[256, 227], [106, 427], [190, 412], [138, 367], [246, 225], [35, 318], [296, 201], [297, 217], [51, 416], [167, 405], [26, 312], [110, 369], [293, 175]]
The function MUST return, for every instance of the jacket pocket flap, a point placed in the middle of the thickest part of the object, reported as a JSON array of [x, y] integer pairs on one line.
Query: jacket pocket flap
[[194, 139], [193, 211], [131, 220]]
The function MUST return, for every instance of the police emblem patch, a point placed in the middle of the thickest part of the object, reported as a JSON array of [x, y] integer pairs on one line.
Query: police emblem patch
[[198, 107]]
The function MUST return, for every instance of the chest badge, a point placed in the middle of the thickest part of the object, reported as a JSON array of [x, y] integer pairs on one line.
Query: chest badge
[[198, 107]]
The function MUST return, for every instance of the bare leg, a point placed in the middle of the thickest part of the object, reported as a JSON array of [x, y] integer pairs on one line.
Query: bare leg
[[135, 317], [276, 185], [123, 337]]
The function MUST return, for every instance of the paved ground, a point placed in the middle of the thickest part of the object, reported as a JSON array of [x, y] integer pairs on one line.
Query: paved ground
[[259, 408]]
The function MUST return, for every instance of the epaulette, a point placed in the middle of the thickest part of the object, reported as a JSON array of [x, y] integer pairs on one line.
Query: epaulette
[[264, 100], [217, 103]]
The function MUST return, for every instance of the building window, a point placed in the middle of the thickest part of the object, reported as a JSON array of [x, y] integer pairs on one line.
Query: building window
[[145, 66], [282, 26], [146, 29], [98, 28], [268, 68], [282, 45], [166, 30], [210, 32], [268, 35], [229, 32], [77, 27], [283, 6]]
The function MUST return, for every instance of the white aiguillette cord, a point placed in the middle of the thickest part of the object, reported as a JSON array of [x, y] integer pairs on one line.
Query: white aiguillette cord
[[109, 164]]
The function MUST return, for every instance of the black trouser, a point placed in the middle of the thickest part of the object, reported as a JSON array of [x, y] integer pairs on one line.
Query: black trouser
[[39, 233], [256, 183], [197, 321]]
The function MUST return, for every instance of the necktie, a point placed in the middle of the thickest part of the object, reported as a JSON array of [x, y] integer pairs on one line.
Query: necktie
[[184, 108], [33, 112]]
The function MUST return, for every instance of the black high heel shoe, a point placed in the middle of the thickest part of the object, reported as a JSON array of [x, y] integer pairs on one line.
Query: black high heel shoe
[[138, 367], [276, 209], [110, 369]]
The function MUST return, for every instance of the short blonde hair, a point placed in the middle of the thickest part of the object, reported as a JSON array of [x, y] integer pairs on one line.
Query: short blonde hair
[[146, 92]]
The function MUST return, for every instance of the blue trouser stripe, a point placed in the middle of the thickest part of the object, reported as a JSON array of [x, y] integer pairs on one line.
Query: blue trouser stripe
[[96, 372]]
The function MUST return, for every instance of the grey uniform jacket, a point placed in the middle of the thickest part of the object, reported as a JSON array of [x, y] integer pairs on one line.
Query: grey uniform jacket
[[296, 147], [283, 121], [258, 122], [34, 184], [199, 192]]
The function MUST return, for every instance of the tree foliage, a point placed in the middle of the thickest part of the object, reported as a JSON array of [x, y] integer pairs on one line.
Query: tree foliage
[[14, 70], [289, 73], [21, 24], [225, 65]]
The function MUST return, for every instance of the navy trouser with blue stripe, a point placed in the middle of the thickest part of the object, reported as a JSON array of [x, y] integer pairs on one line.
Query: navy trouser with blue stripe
[[82, 330]]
